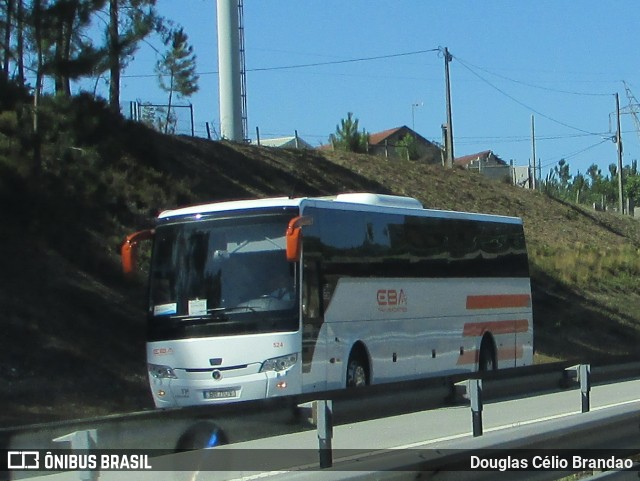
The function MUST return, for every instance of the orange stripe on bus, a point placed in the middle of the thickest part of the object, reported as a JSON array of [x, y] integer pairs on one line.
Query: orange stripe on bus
[[510, 353], [495, 327], [469, 357], [506, 353], [499, 301]]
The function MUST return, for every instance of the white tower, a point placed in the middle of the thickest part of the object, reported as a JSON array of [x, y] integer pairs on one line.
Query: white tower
[[229, 71]]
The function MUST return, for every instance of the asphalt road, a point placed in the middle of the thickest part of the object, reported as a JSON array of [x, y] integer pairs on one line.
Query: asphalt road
[[431, 430]]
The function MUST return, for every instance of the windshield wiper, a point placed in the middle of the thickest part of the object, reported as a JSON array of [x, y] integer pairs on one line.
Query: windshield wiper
[[229, 309], [216, 312], [213, 315], [199, 318]]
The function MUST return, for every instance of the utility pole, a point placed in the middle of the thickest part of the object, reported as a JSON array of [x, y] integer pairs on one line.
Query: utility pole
[[619, 144], [449, 139], [533, 151]]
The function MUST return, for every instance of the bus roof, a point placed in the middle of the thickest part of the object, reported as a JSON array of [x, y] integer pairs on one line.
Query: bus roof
[[364, 201]]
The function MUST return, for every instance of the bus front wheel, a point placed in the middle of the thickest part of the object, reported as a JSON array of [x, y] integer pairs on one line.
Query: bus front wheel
[[357, 374]]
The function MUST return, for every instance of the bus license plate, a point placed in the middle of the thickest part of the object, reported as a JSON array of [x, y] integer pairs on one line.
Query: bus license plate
[[229, 393]]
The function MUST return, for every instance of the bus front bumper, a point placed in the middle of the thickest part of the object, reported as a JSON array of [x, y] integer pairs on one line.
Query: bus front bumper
[[190, 392]]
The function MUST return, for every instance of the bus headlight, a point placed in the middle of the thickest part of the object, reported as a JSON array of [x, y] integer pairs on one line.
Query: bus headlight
[[278, 364], [161, 372]]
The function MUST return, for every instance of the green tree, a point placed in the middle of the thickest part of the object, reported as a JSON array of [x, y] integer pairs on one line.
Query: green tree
[[557, 182], [19, 50], [124, 33], [564, 176], [632, 188], [594, 173], [11, 25], [53, 35], [71, 53], [597, 185], [578, 186], [177, 69], [550, 184], [7, 12], [611, 185], [409, 145], [632, 182], [347, 136]]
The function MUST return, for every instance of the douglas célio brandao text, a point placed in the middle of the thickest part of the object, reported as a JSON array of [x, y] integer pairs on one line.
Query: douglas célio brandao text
[[549, 462]]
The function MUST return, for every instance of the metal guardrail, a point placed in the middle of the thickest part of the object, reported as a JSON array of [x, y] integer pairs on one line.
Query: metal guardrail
[[617, 428], [161, 429], [177, 429]]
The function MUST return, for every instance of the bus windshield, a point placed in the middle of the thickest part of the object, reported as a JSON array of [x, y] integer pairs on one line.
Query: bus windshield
[[222, 276]]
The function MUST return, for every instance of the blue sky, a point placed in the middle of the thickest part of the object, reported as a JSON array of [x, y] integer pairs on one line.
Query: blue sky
[[561, 61]]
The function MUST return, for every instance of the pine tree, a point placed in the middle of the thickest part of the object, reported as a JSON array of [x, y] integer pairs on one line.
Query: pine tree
[[177, 69], [408, 145], [124, 32], [7, 8], [12, 42], [72, 54], [347, 136]]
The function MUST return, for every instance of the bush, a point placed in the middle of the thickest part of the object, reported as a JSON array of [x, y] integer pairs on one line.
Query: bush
[[12, 95]]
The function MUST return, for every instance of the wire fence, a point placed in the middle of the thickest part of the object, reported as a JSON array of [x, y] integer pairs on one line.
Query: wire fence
[[176, 119]]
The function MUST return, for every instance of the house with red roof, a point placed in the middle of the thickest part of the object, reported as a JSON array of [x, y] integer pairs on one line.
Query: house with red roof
[[487, 163], [391, 144]]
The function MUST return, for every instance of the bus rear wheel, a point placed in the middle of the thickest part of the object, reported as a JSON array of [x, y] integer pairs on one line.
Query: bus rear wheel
[[357, 372]]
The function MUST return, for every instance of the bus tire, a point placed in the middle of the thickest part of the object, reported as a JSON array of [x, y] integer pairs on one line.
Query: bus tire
[[357, 369], [487, 359]]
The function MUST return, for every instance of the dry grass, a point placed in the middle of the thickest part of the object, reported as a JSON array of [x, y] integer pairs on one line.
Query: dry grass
[[587, 266]]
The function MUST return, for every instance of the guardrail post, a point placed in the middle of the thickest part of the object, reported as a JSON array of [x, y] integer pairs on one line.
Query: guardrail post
[[82, 441], [584, 374], [324, 413], [475, 393], [580, 373]]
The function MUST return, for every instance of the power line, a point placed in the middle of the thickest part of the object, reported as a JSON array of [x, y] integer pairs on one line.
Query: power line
[[564, 124], [309, 65], [520, 138], [573, 154], [569, 92], [337, 62]]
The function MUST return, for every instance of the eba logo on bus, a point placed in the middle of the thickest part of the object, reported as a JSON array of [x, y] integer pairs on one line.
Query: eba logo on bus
[[391, 300], [162, 351]]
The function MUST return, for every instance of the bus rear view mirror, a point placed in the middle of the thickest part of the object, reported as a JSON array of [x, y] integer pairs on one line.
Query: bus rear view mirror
[[129, 250], [294, 237]]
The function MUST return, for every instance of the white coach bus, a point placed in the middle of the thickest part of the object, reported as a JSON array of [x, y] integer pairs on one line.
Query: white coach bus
[[259, 298]]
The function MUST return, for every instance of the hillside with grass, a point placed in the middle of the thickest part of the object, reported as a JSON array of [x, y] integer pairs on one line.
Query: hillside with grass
[[73, 327]]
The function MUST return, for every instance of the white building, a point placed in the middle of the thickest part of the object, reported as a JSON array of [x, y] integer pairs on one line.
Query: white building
[[292, 142]]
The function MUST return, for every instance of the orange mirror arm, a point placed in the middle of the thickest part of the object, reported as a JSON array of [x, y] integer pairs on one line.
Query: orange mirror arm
[[294, 237], [129, 249]]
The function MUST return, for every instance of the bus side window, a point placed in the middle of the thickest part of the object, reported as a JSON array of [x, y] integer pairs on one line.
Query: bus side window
[[311, 303], [311, 312], [329, 283]]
